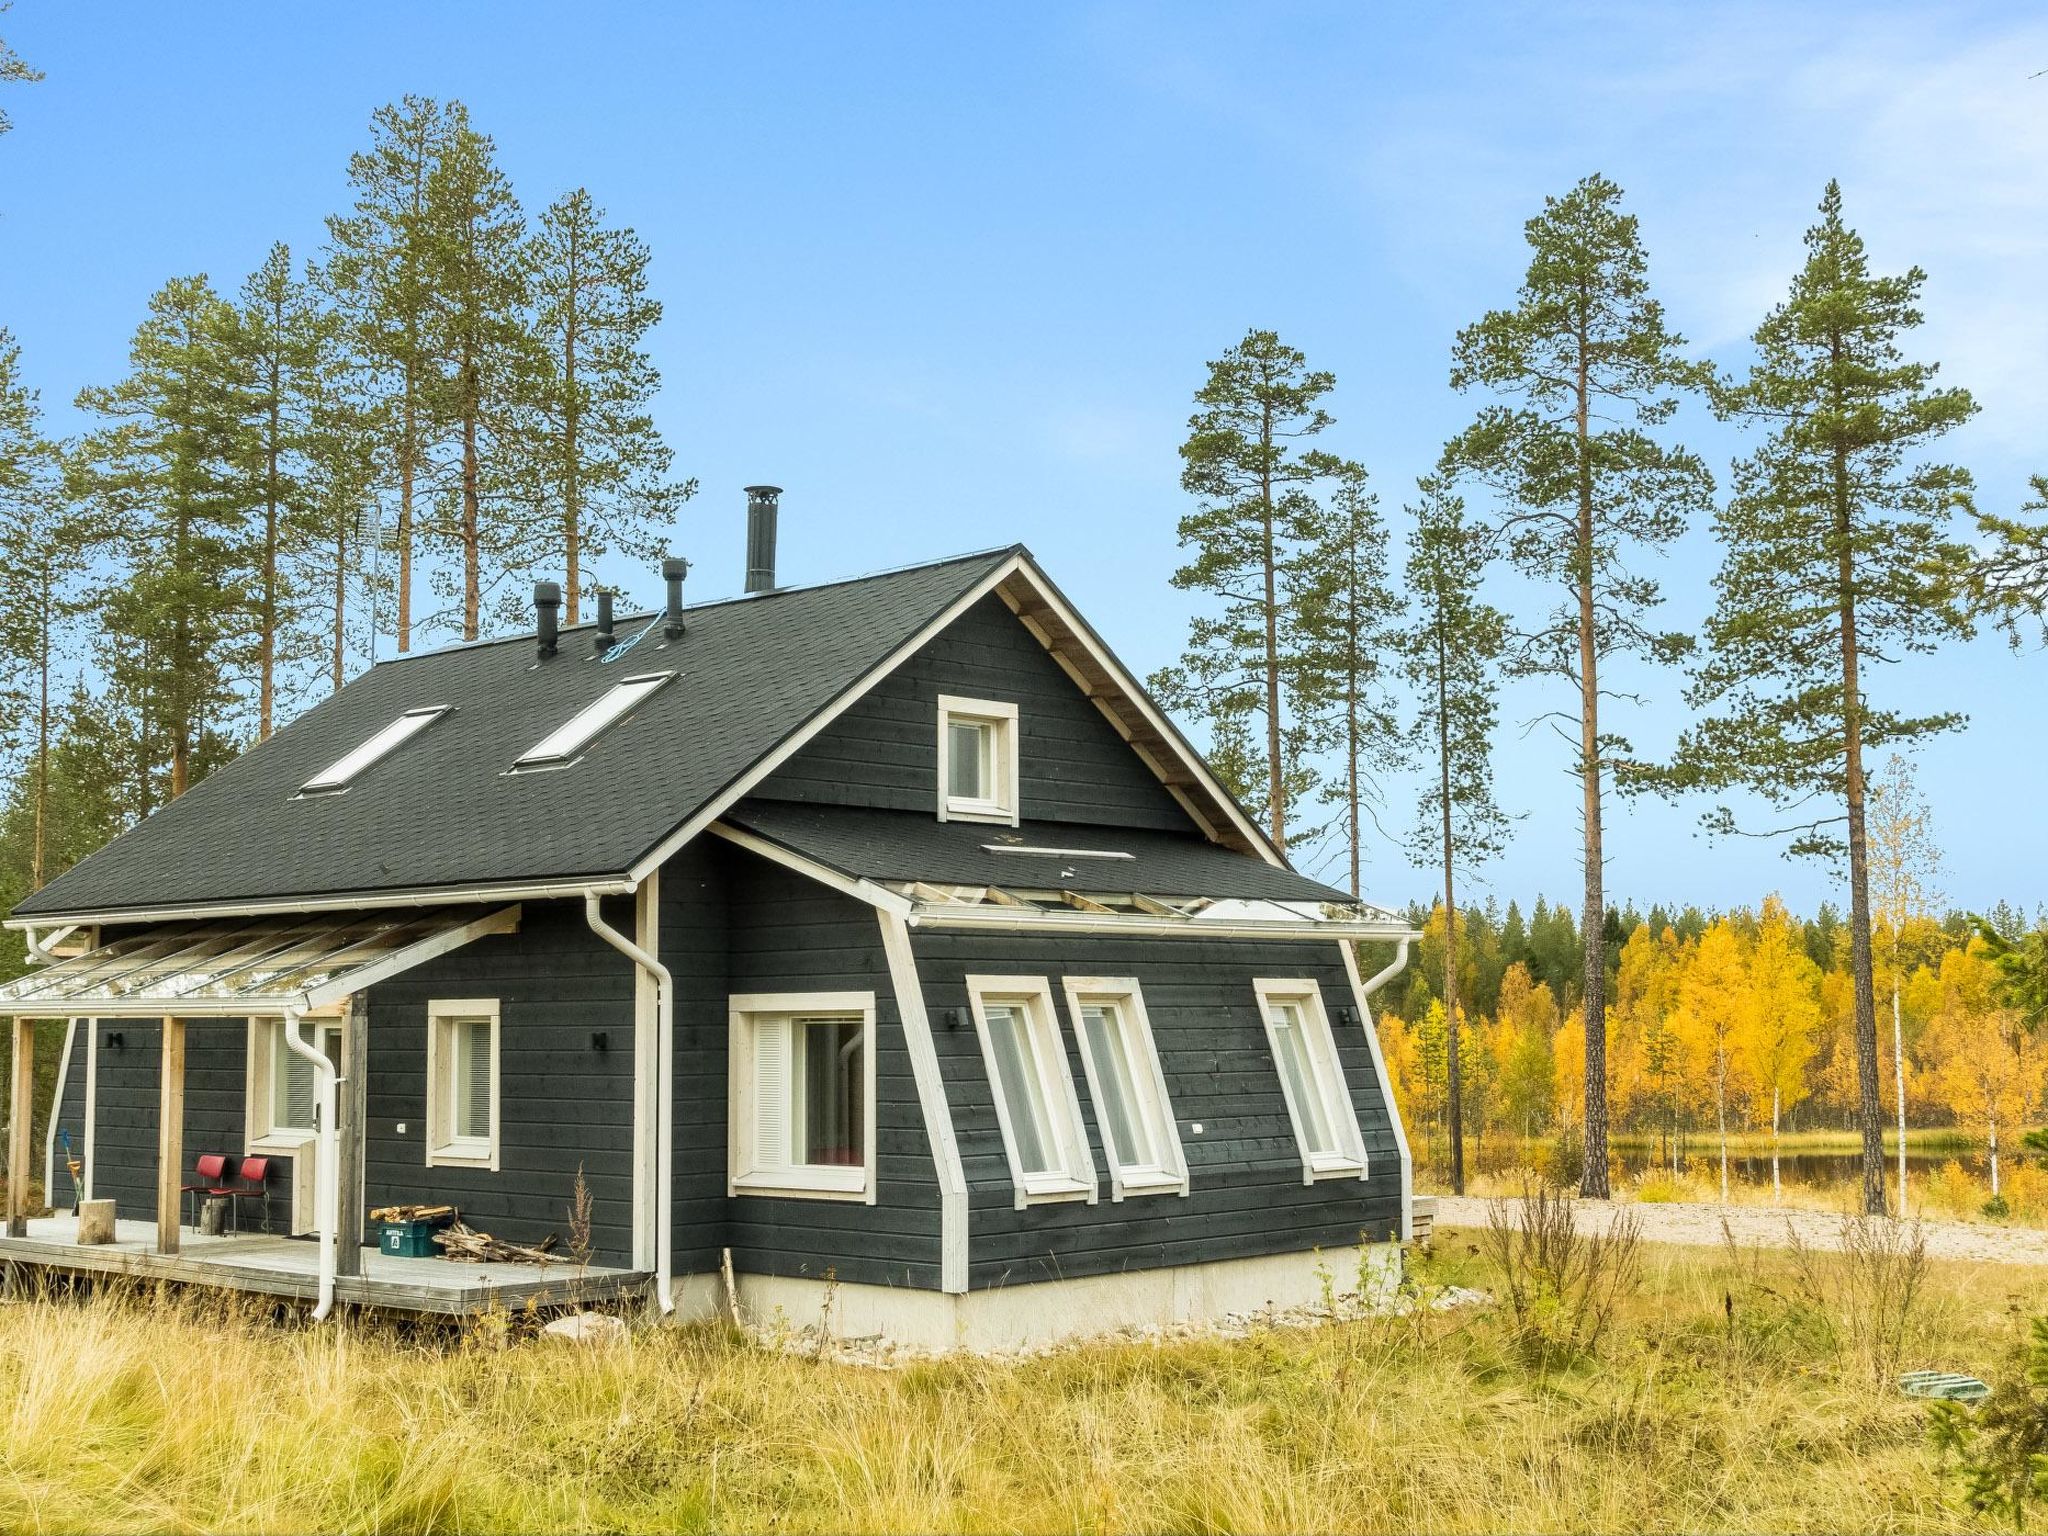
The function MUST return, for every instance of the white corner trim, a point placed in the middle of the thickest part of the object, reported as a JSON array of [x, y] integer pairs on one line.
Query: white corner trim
[[1125, 991], [1362, 998], [931, 1101], [1351, 1162], [862, 890], [1069, 1130]]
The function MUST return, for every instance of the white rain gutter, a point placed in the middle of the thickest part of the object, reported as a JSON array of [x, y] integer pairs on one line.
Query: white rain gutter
[[438, 896], [326, 1182], [1399, 964], [665, 1096], [1002, 919]]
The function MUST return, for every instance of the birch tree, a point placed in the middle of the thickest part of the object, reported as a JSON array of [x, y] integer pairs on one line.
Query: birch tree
[[1776, 1042], [1904, 865], [1838, 559], [1584, 372]]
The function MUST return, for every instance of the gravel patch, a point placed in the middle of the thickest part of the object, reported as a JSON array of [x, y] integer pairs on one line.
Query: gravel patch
[[1770, 1227]]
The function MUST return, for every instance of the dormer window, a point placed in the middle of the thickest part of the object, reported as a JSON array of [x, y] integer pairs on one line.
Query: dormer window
[[977, 760], [336, 779]]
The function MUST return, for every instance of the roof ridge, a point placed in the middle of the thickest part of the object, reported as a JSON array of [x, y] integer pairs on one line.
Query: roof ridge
[[525, 637]]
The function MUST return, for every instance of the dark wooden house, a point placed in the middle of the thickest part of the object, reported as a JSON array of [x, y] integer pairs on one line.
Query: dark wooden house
[[882, 935]]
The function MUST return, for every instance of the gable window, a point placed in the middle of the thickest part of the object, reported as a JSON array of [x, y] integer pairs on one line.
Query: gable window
[[462, 1083], [563, 745], [335, 779], [803, 1095], [1311, 1079], [977, 760], [1127, 1085], [280, 1084], [1036, 1106]]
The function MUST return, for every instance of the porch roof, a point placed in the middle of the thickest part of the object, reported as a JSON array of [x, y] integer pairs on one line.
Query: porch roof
[[237, 967]]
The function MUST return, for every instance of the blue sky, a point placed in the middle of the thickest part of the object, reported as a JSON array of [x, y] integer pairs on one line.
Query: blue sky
[[950, 274]]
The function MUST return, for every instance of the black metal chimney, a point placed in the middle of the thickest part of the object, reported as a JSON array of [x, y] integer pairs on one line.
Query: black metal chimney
[[603, 639], [673, 570], [547, 601], [762, 501]]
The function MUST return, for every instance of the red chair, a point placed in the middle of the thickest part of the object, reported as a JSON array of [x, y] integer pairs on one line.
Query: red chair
[[212, 1172], [252, 1182]]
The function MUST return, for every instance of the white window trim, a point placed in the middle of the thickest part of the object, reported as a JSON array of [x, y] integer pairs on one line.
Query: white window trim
[[339, 776], [803, 1183], [258, 1080], [443, 1149], [1003, 809], [1074, 1179], [1172, 1175], [1349, 1160]]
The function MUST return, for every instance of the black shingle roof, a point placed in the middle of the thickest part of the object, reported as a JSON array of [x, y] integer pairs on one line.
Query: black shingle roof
[[911, 845], [441, 811]]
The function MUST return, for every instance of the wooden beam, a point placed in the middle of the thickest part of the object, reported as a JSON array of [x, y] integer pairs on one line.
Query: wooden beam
[[170, 1136], [351, 1107], [21, 1108]]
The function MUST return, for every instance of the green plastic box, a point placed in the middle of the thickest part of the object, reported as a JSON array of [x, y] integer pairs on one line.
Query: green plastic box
[[408, 1239]]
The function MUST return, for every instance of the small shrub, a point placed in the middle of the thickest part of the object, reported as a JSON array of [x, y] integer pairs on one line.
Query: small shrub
[[1562, 1287], [1660, 1189], [1868, 1291], [1951, 1191], [1995, 1209], [1564, 1160], [1998, 1445]]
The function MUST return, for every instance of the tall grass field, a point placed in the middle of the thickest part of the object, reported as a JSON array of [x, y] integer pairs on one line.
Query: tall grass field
[[1732, 1391]]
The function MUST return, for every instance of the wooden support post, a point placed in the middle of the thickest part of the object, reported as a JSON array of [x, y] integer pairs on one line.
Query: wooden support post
[[170, 1135], [351, 1106], [21, 1108]]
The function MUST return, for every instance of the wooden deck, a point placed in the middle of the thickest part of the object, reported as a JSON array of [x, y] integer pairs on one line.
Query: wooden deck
[[283, 1266]]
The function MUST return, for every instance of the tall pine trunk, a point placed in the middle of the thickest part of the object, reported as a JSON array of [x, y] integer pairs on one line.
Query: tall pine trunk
[[1593, 916], [1452, 1067], [38, 858], [340, 600], [1870, 1109], [572, 489], [408, 453], [1276, 808], [266, 692], [472, 523]]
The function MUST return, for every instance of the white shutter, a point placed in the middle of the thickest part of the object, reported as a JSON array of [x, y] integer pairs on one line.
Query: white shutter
[[773, 1121]]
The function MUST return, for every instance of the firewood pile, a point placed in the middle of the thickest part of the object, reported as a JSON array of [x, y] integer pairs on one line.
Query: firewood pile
[[463, 1242], [411, 1212]]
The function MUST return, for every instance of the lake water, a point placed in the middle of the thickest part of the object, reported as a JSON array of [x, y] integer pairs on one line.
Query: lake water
[[1748, 1163]]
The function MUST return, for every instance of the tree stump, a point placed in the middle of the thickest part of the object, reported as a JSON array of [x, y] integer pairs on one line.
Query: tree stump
[[95, 1221]]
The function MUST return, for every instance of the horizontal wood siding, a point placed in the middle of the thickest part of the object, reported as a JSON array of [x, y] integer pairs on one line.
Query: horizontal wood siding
[[216, 1115], [693, 946], [1073, 765], [1246, 1195], [564, 1105], [788, 934]]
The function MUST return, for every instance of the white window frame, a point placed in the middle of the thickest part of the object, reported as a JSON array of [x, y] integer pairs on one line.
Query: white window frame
[[338, 777], [260, 1131], [745, 1174], [1348, 1161], [444, 1148], [1074, 1178], [1002, 807], [1170, 1177], [567, 744]]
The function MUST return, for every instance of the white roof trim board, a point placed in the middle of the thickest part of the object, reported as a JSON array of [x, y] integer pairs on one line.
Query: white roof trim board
[[245, 968]]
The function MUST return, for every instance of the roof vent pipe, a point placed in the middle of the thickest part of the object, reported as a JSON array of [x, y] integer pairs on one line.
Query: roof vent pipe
[[762, 501], [547, 603], [604, 638], [673, 570]]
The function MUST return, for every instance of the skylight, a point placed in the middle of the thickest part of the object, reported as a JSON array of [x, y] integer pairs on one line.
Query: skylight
[[562, 745], [334, 780]]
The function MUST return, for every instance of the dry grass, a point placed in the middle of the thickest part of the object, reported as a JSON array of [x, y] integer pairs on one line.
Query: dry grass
[[1718, 1401]]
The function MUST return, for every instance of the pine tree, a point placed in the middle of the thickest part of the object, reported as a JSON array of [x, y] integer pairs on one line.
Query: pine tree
[[378, 273], [600, 468], [1243, 669], [168, 474], [1837, 555], [277, 334], [2009, 582], [42, 559], [1586, 369], [341, 518], [1450, 657], [487, 362], [14, 69]]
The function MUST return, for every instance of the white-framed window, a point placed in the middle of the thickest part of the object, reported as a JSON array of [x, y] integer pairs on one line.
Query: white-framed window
[[1036, 1106], [279, 1087], [1311, 1079], [337, 776], [1127, 1086], [977, 760], [566, 742], [462, 1082], [802, 1095]]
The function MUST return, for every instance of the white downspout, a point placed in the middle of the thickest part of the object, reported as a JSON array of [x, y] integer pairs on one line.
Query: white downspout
[[665, 1097], [326, 1184], [40, 944], [1399, 964]]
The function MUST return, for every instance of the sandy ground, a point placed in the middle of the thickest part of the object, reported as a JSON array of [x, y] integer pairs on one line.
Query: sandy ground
[[1751, 1224]]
